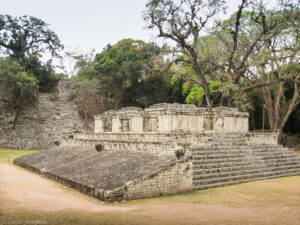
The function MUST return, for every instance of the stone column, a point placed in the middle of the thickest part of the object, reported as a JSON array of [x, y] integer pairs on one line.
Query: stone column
[[98, 124]]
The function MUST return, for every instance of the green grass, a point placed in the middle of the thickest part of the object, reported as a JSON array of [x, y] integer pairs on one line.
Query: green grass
[[8, 155]]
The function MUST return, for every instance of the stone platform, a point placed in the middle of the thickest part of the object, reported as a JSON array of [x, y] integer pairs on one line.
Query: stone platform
[[112, 175], [119, 163]]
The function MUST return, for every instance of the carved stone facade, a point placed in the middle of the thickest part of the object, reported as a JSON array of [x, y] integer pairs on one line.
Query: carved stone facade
[[166, 118]]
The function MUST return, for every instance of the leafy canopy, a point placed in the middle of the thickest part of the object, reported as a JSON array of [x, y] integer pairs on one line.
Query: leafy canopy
[[120, 69], [27, 35]]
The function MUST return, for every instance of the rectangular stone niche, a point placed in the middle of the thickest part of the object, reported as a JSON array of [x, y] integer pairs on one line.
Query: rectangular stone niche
[[124, 125], [150, 124]]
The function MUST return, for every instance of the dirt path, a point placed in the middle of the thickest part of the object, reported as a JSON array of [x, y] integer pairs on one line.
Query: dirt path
[[23, 190], [26, 196]]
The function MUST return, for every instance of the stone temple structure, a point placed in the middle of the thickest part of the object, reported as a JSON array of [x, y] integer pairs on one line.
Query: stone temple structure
[[164, 149]]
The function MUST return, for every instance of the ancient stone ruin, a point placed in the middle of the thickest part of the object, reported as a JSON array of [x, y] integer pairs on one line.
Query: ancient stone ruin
[[43, 125], [164, 149]]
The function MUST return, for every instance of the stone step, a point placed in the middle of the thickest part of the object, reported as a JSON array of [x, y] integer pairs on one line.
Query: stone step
[[245, 163], [214, 148], [214, 185], [238, 168], [241, 155], [246, 177], [246, 158], [241, 151], [244, 172]]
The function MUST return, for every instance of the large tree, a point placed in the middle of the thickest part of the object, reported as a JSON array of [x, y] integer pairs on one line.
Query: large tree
[[183, 21], [20, 87], [25, 39], [276, 70], [27, 35], [120, 70], [261, 51]]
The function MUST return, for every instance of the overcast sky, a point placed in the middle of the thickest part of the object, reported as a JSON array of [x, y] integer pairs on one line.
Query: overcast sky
[[87, 24]]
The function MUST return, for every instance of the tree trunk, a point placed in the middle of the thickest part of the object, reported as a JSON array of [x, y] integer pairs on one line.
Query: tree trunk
[[207, 97], [205, 86], [277, 106], [222, 99], [277, 122], [269, 107], [294, 102], [279, 136], [16, 117]]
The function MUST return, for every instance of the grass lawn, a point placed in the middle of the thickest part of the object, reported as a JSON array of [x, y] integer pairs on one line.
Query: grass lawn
[[8, 155], [27, 197]]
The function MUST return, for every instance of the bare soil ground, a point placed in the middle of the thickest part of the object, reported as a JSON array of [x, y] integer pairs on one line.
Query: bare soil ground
[[27, 198], [22, 190]]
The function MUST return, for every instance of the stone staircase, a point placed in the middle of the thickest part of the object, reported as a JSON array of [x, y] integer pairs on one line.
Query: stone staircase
[[227, 159], [48, 122]]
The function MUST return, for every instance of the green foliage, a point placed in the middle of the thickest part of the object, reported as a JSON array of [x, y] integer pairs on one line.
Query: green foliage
[[194, 94], [87, 73], [292, 70], [120, 71], [14, 78], [26, 35], [19, 86], [154, 89], [177, 93], [44, 73], [24, 39]]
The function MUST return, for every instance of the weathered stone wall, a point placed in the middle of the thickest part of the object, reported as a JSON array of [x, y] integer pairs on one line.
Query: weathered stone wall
[[195, 138], [157, 148], [177, 179], [175, 117], [164, 143]]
